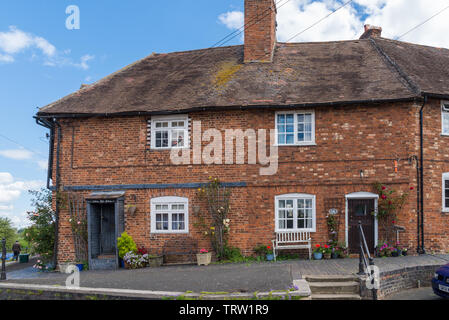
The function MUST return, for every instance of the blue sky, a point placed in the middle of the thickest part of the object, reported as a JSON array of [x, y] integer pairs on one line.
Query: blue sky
[[42, 61]]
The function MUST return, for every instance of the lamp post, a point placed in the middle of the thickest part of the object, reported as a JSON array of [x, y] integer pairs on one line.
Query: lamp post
[[3, 275]]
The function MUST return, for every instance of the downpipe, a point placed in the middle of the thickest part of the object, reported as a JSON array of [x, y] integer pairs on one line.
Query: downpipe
[[422, 249]]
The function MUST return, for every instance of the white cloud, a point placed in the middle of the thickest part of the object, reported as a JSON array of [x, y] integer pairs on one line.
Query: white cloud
[[13, 190], [395, 17], [15, 41], [232, 19], [17, 154]]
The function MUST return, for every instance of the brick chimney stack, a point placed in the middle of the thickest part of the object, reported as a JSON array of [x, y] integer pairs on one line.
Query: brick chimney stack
[[371, 32], [260, 30]]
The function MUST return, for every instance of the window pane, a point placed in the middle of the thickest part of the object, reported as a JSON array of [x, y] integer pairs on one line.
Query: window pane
[[290, 139], [289, 224], [281, 224], [281, 139], [289, 203], [300, 203], [309, 223], [300, 118], [290, 128], [161, 139], [445, 122], [290, 214], [301, 224], [301, 213], [177, 138], [281, 118], [301, 137], [281, 214], [281, 203], [290, 119]]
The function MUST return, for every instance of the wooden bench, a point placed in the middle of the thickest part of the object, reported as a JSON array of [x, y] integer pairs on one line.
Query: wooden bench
[[186, 247], [286, 240]]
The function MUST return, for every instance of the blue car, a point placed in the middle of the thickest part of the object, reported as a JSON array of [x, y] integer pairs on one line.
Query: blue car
[[440, 282]]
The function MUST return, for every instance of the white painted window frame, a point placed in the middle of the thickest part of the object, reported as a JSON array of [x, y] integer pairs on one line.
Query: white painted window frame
[[445, 178], [295, 197], [169, 201], [444, 110], [295, 132], [170, 118], [362, 196]]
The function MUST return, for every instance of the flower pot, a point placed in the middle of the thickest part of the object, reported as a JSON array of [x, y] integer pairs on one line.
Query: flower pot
[[156, 261], [327, 256], [270, 257], [64, 267], [317, 255], [204, 258], [334, 255], [80, 266], [395, 254], [121, 263]]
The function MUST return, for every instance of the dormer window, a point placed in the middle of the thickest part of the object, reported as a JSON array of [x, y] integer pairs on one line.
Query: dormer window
[[445, 117]]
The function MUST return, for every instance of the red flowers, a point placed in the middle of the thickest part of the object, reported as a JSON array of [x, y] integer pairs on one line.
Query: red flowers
[[384, 188], [268, 247], [318, 246], [384, 197], [394, 222], [412, 188], [326, 246]]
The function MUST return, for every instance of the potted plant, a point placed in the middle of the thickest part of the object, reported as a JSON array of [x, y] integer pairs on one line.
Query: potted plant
[[327, 251], [318, 252], [80, 266], [270, 255], [204, 257], [125, 244], [64, 266], [404, 251]]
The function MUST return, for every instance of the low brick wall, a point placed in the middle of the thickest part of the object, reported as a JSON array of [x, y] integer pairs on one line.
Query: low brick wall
[[401, 279]]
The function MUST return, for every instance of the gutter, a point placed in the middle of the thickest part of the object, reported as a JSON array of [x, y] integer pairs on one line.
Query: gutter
[[43, 115]]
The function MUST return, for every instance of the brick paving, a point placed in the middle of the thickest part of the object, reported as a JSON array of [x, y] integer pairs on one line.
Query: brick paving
[[248, 277]]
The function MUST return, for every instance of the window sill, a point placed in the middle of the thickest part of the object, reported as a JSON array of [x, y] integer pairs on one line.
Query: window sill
[[169, 232], [445, 134], [312, 144], [445, 211], [167, 149], [296, 230]]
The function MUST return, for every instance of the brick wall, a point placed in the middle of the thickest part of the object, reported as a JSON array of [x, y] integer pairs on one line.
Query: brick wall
[[114, 151]]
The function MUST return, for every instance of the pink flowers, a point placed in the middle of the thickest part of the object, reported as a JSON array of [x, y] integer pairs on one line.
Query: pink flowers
[[412, 188], [203, 251], [384, 197]]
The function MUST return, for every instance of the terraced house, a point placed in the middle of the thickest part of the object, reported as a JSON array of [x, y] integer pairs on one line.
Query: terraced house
[[346, 114]]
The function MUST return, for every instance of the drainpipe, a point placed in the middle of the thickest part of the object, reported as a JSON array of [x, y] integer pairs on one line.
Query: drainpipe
[[421, 129], [58, 184], [418, 201]]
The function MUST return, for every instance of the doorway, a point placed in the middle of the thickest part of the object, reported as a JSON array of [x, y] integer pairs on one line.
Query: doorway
[[361, 207]]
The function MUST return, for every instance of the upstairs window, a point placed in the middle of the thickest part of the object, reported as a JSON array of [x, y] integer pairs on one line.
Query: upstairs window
[[169, 215], [295, 128], [295, 212], [445, 117], [446, 192], [169, 132]]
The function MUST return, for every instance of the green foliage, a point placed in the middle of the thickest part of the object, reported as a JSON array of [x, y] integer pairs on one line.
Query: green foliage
[[8, 232], [41, 234], [125, 244], [263, 250], [217, 199], [390, 204]]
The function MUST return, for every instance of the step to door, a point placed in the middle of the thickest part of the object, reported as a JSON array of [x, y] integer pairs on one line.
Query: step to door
[[331, 278], [350, 287], [336, 297]]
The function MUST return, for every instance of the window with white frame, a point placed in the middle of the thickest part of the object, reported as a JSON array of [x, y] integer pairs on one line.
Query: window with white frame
[[445, 117], [295, 212], [169, 215], [295, 128], [169, 132], [446, 192]]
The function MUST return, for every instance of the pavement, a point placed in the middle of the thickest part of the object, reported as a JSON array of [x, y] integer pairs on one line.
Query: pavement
[[415, 294], [249, 277]]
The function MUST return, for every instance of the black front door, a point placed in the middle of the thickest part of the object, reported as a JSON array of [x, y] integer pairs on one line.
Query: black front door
[[360, 210], [107, 232]]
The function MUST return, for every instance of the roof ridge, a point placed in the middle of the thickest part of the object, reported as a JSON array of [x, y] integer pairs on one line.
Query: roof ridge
[[406, 80]]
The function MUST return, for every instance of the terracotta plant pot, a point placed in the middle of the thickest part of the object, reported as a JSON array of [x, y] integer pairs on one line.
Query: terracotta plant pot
[[204, 258]]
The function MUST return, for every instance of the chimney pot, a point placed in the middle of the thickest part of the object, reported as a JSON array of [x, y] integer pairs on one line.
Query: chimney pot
[[371, 32]]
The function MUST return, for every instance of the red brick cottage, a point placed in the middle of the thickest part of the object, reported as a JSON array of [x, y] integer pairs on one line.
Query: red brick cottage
[[347, 114]]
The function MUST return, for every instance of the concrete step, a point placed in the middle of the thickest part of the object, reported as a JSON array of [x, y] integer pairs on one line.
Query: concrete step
[[348, 287], [335, 297], [331, 278]]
